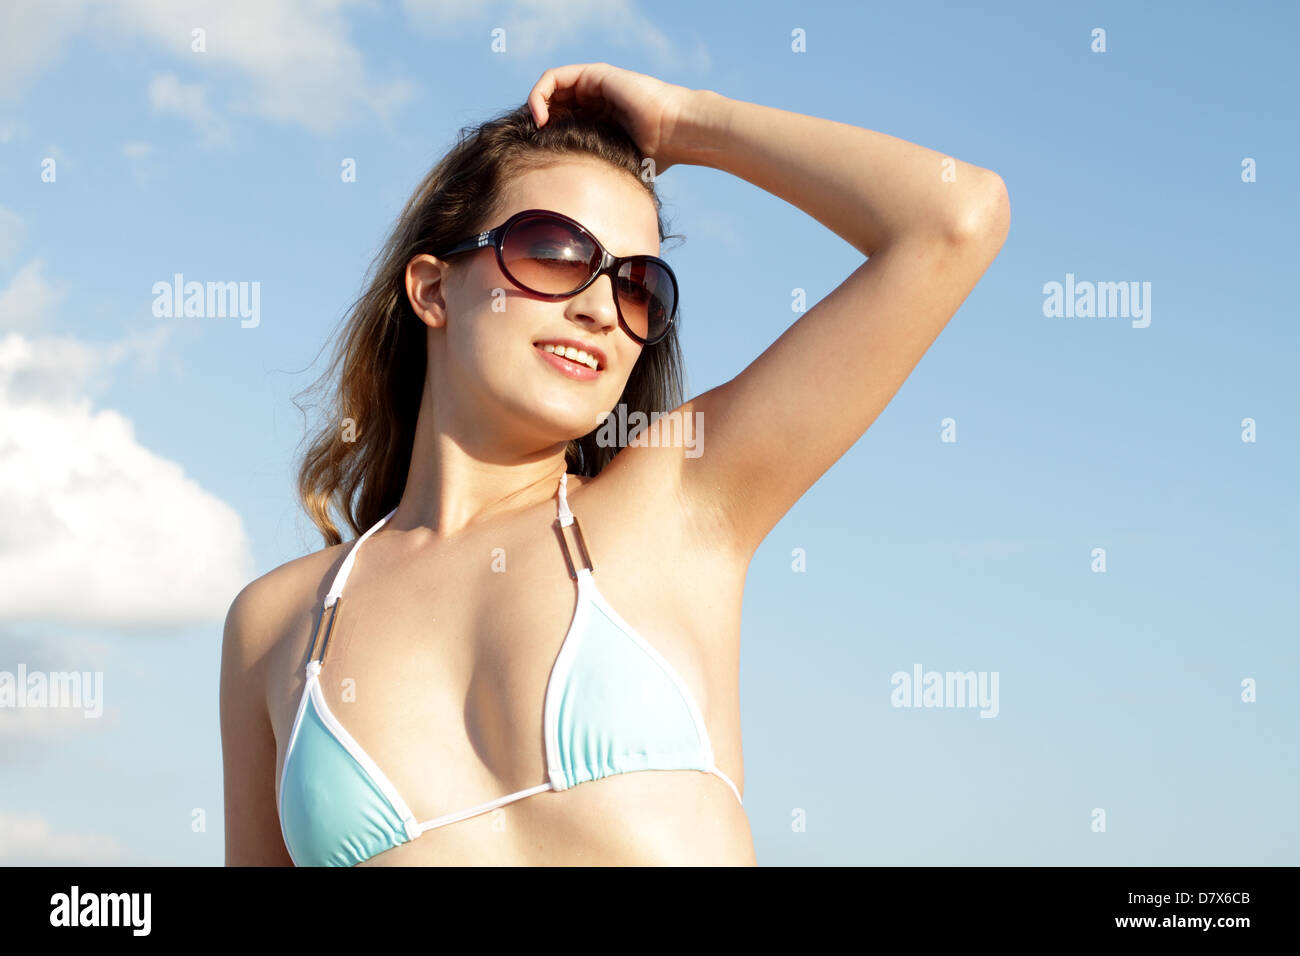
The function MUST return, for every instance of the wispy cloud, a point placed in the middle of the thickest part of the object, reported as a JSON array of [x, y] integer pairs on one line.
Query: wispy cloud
[[289, 61], [29, 297], [168, 95], [28, 839], [141, 158], [536, 28], [32, 36]]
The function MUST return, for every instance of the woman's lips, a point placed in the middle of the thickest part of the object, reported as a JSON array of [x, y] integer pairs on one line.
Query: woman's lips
[[572, 369]]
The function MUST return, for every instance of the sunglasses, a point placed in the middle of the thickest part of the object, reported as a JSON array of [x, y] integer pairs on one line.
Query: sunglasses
[[552, 256]]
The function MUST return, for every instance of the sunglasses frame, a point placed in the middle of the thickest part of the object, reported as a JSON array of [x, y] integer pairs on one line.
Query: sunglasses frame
[[609, 265]]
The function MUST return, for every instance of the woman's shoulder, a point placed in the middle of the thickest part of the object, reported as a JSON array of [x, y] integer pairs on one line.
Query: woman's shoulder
[[274, 604]]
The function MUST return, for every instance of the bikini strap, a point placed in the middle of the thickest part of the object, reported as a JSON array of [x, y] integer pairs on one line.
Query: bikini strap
[[564, 519], [330, 609]]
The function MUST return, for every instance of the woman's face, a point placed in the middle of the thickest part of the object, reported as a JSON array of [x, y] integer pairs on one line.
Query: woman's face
[[490, 381]]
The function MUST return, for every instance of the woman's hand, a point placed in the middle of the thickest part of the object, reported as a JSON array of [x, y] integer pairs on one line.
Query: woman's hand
[[647, 108]]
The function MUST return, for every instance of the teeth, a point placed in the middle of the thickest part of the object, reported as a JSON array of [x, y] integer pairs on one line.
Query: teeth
[[575, 355]]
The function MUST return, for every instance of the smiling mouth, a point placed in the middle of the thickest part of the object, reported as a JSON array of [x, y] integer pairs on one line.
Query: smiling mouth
[[572, 354]]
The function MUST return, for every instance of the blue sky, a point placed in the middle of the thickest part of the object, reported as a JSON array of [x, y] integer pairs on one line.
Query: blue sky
[[146, 463]]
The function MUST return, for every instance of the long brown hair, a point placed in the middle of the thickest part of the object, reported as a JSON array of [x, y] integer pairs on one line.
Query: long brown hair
[[358, 460]]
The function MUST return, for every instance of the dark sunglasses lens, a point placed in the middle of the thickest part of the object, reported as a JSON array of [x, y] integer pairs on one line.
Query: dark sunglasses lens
[[552, 257], [646, 298], [548, 256]]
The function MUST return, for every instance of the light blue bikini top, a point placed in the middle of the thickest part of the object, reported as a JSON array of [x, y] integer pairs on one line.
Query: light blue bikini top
[[613, 705]]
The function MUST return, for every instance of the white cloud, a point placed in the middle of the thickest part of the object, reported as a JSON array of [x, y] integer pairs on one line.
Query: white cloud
[[61, 370], [537, 27], [28, 299], [29, 840], [94, 527], [167, 94], [37, 726], [31, 36], [293, 61]]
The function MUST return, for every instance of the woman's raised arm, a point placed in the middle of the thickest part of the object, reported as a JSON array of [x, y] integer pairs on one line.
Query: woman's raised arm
[[929, 223]]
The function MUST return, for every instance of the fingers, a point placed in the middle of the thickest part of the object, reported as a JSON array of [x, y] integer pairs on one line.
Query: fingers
[[538, 95], [557, 83]]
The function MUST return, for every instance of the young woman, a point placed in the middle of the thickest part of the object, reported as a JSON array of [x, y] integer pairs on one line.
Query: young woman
[[530, 654]]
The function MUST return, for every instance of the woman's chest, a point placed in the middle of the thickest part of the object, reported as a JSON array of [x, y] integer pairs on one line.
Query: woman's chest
[[445, 667]]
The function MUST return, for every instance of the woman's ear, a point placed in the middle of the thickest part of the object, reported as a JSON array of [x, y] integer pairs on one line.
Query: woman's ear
[[424, 275]]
